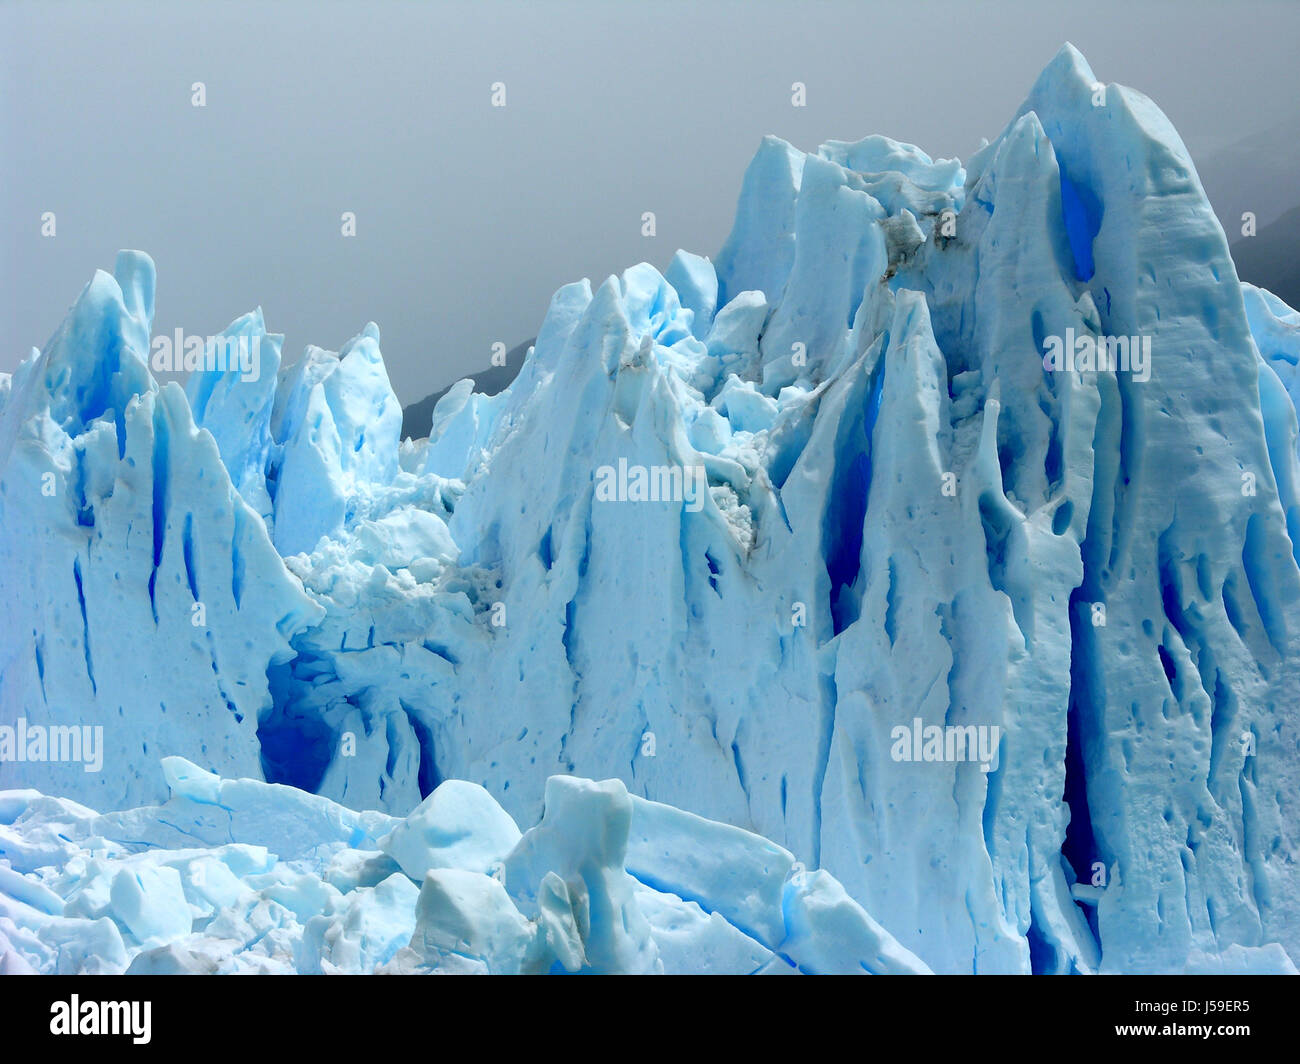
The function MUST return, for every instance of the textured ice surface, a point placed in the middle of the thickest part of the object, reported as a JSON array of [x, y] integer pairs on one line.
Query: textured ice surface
[[911, 526], [245, 876]]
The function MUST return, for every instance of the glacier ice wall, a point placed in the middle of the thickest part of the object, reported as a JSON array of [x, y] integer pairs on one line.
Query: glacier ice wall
[[906, 521], [117, 517]]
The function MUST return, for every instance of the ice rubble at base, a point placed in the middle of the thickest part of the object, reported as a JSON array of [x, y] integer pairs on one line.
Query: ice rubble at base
[[463, 608], [241, 876]]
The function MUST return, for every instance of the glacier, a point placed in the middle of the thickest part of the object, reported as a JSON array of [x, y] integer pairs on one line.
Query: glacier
[[390, 652]]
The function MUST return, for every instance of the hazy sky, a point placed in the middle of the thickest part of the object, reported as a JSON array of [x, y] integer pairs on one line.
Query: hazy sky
[[469, 216]]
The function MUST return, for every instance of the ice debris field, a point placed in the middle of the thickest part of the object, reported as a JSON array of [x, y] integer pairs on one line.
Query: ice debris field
[[919, 575], [249, 877]]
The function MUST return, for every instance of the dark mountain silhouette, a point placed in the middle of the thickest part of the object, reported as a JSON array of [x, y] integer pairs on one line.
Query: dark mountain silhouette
[[417, 417], [1271, 258], [1256, 173]]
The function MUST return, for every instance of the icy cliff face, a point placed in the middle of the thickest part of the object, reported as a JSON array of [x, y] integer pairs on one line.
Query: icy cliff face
[[848, 538], [117, 520]]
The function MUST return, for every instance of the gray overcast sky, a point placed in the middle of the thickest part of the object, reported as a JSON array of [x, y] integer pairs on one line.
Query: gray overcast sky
[[469, 217]]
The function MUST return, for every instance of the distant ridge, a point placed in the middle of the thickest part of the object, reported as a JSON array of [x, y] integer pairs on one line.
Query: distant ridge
[[417, 417], [1271, 258]]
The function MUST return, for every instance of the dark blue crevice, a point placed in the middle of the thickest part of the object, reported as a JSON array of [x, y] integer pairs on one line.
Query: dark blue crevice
[[187, 552], [158, 507], [847, 509], [714, 570], [297, 745], [1082, 215], [1081, 848], [85, 628], [237, 563], [544, 551]]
